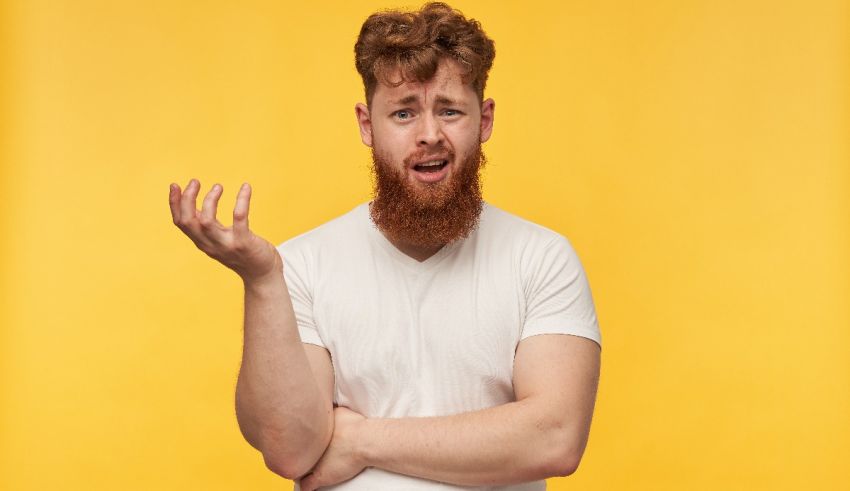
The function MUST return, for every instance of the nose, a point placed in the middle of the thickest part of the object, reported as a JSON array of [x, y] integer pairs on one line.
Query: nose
[[429, 131]]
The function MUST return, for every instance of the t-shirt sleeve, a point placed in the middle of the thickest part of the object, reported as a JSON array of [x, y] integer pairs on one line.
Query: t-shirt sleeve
[[558, 298], [297, 278]]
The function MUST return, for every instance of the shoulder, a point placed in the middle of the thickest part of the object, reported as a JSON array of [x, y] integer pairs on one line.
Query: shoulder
[[498, 225], [333, 233], [533, 249]]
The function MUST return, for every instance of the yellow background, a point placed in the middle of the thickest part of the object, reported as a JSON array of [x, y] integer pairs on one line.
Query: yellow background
[[695, 153]]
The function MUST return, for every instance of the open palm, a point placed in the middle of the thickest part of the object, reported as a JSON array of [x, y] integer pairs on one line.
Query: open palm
[[249, 255]]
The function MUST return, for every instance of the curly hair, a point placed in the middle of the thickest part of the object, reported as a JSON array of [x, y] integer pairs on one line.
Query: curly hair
[[414, 42]]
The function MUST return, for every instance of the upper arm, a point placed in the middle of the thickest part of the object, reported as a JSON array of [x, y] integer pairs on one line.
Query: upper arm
[[560, 373], [296, 273], [323, 370]]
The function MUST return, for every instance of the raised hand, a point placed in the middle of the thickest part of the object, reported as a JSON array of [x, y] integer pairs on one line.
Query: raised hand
[[250, 256]]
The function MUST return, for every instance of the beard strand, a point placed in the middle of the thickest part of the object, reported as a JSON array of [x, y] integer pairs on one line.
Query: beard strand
[[436, 214]]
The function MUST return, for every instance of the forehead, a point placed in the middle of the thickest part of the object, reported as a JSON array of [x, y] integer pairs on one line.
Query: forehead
[[447, 81]]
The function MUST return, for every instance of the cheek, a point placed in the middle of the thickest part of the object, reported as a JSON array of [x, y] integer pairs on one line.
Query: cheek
[[388, 156], [391, 145], [463, 142], [464, 134]]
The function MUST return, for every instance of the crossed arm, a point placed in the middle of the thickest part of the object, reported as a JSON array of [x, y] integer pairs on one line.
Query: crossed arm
[[543, 434]]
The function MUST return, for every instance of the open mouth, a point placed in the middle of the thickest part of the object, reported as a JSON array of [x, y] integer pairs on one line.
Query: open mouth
[[433, 166]]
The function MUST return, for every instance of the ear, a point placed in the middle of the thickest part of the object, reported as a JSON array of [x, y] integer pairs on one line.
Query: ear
[[365, 123], [488, 109]]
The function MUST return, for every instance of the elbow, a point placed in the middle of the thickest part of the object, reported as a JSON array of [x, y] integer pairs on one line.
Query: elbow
[[292, 461], [287, 468], [566, 459], [280, 466], [565, 466]]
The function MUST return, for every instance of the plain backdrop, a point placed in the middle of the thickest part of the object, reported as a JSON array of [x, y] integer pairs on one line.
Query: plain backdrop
[[695, 154]]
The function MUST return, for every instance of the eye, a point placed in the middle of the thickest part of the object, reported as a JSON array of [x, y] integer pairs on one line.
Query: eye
[[402, 114], [451, 112]]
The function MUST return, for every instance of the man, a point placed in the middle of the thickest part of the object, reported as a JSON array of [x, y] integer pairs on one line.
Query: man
[[426, 339]]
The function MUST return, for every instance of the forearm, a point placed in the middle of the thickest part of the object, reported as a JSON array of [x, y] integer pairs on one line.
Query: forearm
[[502, 445], [279, 406]]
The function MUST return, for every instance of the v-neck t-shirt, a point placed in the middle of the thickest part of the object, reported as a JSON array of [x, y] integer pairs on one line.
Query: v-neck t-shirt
[[411, 338]]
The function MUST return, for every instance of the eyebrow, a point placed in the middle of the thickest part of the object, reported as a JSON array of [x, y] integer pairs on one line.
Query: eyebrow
[[415, 98]]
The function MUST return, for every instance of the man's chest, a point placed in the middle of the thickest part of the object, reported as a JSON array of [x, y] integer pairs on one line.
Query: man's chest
[[409, 343]]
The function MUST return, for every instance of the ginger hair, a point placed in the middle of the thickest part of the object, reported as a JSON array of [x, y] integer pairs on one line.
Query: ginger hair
[[413, 43]]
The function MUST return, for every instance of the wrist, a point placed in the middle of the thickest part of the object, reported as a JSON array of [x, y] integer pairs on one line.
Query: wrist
[[366, 431], [268, 282]]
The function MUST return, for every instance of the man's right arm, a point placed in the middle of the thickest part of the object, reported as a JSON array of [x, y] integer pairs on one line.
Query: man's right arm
[[284, 390]]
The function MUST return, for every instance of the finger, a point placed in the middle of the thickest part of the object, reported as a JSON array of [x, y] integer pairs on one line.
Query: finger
[[189, 215], [174, 202], [188, 206], [207, 218], [240, 211]]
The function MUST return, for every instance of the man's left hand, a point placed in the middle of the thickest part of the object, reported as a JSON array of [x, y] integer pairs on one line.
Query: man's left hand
[[341, 460]]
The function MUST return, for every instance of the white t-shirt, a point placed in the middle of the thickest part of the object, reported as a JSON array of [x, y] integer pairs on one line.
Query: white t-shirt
[[436, 337]]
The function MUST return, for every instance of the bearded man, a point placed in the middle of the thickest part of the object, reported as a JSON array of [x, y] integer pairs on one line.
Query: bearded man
[[426, 339]]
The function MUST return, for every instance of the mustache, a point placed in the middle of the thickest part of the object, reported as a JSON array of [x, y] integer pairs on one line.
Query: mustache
[[429, 154]]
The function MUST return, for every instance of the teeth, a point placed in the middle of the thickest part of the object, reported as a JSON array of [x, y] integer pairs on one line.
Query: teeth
[[432, 163]]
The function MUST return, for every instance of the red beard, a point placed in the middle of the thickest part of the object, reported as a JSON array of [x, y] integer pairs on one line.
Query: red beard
[[433, 215]]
